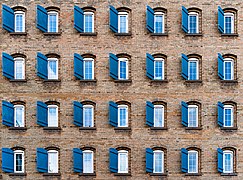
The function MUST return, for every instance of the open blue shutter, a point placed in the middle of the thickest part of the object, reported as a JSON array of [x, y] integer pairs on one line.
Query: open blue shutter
[[184, 113], [77, 113], [149, 114], [220, 114], [184, 66], [41, 18], [7, 18], [113, 160], [220, 66], [184, 19], [42, 160], [184, 160], [113, 61], [42, 112], [78, 19], [8, 65], [149, 160], [113, 19], [220, 20], [150, 66], [78, 66], [77, 160], [7, 160], [220, 160], [113, 114], [7, 113], [150, 19], [42, 66]]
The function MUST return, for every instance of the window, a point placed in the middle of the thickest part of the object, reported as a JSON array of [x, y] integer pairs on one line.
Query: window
[[52, 21], [52, 161], [88, 22], [158, 68], [122, 116], [123, 69], [228, 116], [18, 116], [52, 116], [228, 162], [122, 161], [229, 23], [192, 116], [227, 19], [18, 161], [155, 160], [19, 68], [193, 22], [158, 165], [52, 68], [228, 69], [122, 22], [158, 22], [88, 162], [192, 162], [88, 68], [193, 69], [158, 116], [19, 17], [88, 116]]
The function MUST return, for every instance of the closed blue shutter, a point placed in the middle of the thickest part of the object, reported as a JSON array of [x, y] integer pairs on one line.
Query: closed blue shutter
[[77, 113], [220, 20], [8, 65], [42, 66], [149, 114], [184, 66], [150, 66], [220, 114], [220, 66], [113, 61], [77, 160], [42, 160], [149, 160], [7, 113], [113, 160], [7, 160], [42, 112], [41, 18], [184, 113], [113, 114], [184, 19], [184, 160], [150, 19], [220, 160], [8, 18], [78, 66], [113, 19], [78, 19]]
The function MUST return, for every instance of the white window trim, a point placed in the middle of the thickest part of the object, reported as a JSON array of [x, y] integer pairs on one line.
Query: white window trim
[[232, 67], [48, 121], [92, 107], [193, 106], [232, 114], [197, 68], [163, 18], [53, 151], [18, 105], [92, 61], [193, 151], [163, 69], [119, 25], [48, 23], [48, 70], [23, 14], [122, 152], [232, 16], [197, 21], [158, 151], [232, 161], [15, 67], [92, 160], [119, 107], [163, 120], [15, 153], [124, 60], [89, 13]]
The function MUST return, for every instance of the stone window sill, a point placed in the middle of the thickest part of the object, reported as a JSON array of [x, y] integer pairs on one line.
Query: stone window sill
[[18, 80], [193, 128], [17, 174], [123, 128], [159, 128], [123, 81], [52, 34], [228, 174], [52, 174], [52, 128], [229, 81], [159, 34], [122, 174], [87, 128], [89, 34], [228, 128], [52, 80], [194, 81], [87, 174], [158, 174], [18, 128], [88, 81], [193, 174], [160, 81], [18, 34], [194, 34], [123, 34], [231, 34]]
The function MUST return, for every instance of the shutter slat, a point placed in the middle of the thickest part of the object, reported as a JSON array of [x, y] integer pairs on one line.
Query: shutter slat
[[42, 64], [77, 160], [113, 19], [184, 113], [220, 114], [150, 19], [8, 18], [184, 19], [41, 18], [149, 114], [150, 66], [7, 113], [42, 112], [113, 114], [149, 160], [42, 160], [7, 160], [113, 160], [184, 66], [220, 66], [220, 20], [77, 113], [78, 66], [78, 19], [8, 65], [184, 160], [220, 160], [113, 61]]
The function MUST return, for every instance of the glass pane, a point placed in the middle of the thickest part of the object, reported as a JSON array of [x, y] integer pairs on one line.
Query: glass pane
[[228, 117], [158, 70], [123, 116], [228, 166], [88, 23], [19, 69], [192, 24], [227, 70], [123, 70], [123, 24], [52, 117], [192, 121], [158, 117], [52, 69], [192, 70], [19, 115], [87, 161], [19, 23], [18, 162], [158, 161], [192, 162], [123, 162], [52, 18], [158, 23], [88, 117], [228, 25], [88, 69], [53, 162]]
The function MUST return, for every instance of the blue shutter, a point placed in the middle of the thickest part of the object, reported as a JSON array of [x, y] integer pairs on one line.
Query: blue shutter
[[8, 65], [41, 18], [220, 66], [184, 113], [184, 66], [184, 19], [113, 114], [7, 160], [78, 66], [77, 160], [149, 114], [113, 61], [7, 113], [8, 18], [113, 19], [220, 160], [42, 112], [78, 19], [42, 160], [220, 20], [42, 66], [113, 160], [149, 160], [150, 19], [220, 114], [150, 66], [184, 160], [77, 113]]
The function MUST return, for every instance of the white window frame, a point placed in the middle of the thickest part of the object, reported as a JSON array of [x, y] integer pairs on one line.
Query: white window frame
[[92, 61], [23, 15], [193, 106], [163, 67], [15, 67], [163, 22], [53, 151], [232, 114], [232, 67], [119, 121], [15, 153], [232, 161], [197, 68], [158, 151], [232, 16], [89, 13], [92, 160], [48, 121], [119, 153], [23, 115], [124, 60], [192, 152], [197, 21], [119, 23], [48, 23], [48, 69], [163, 111], [92, 107]]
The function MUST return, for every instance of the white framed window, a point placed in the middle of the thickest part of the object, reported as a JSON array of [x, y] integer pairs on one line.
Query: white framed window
[[228, 23], [122, 116], [52, 161], [192, 161], [158, 22], [228, 116], [19, 68], [228, 157], [19, 21], [158, 161], [192, 116], [88, 22], [193, 23], [88, 161], [52, 115], [18, 115], [88, 115], [158, 116], [122, 161], [18, 161], [52, 68], [228, 69], [122, 22], [159, 68], [52, 21], [193, 69], [88, 68], [123, 68]]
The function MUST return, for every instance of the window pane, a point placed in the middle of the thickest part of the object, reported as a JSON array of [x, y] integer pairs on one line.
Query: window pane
[[52, 69], [192, 161], [158, 117], [192, 70], [19, 116], [19, 69], [52, 162], [18, 162], [228, 25], [88, 117], [88, 162], [192, 24], [123, 162], [158, 70], [52, 22], [228, 162], [88, 68], [158, 23], [158, 162], [123, 24], [88, 23], [192, 121], [123, 116], [227, 70], [52, 117], [19, 21], [123, 70], [228, 117]]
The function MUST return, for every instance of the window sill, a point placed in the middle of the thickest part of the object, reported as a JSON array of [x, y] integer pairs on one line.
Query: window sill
[[229, 81], [17, 174], [52, 174], [193, 174], [193, 128], [89, 34], [160, 81], [52, 34], [18, 80], [18, 128], [123, 128], [52, 80], [194, 81], [88, 81], [228, 174], [18, 34], [159, 34], [87, 128], [87, 174], [52, 128], [122, 174], [193, 34], [123, 34], [232, 34], [158, 174], [123, 81], [159, 128], [229, 128]]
